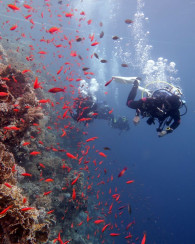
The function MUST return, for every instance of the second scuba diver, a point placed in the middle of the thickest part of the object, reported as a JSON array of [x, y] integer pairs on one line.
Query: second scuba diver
[[163, 105]]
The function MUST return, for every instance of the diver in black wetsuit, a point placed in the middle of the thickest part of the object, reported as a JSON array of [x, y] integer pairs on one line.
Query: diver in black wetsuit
[[163, 106], [85, 109]]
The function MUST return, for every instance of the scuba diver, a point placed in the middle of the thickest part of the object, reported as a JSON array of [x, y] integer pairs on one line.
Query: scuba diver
[[120, 123], [162, 105], [85, 109]]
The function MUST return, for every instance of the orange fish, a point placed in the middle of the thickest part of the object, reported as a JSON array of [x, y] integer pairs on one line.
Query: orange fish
[[75, 180], [144, 238], [114, 234], [104, 228], [13, 27], [47, 193], [49, 180], [102, 154], [122, 172], [25, 143], [26, 174], [84, 119], [27, 6], [8, 185], [34, 153], [13, 7], [69, 15], [6, 209], [73, 194], [42, 52], [44, 101], [98, 221], [36, 84], [71, 156], [92, 139], [53, 29], [26, 209], [11, 128], [56, 89], [25, 71], [94, 44], [3, 94], [51, 211], [130, 181]]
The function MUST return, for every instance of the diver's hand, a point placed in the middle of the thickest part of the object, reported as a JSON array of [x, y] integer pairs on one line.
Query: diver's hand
[[162, 133], [136, 120]]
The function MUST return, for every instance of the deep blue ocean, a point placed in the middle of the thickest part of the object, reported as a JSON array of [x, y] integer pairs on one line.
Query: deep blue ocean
[[159, 45]]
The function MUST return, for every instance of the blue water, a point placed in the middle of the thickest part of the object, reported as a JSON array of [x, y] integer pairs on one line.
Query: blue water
[[162, 197]]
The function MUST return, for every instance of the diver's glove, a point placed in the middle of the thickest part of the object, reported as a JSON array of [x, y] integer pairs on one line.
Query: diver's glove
[[164, 132]]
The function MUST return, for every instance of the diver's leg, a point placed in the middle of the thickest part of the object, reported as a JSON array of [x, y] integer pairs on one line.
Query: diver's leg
[[132, 95]]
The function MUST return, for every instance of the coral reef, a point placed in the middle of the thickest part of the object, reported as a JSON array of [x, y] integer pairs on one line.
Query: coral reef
[[19, 223]]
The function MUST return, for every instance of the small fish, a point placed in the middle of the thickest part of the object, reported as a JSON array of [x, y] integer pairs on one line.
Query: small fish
[[75, 180], [51, 211], [103, 61], [130, 181], [102, 154], [95, 54], [129, 209], [42, 52], [79, 39], [13, 27], [104, 228], [92, 139], [101, 34], [56, 89], [27, 6], [114, 234], [26, 174], [70, 155], [84, 119], [115, 38], [128, 21], [26, 143], [49, 180], [107, 148], [94, 44], [3, 94], [73, 194], [144, 238], [108, 82], [5, 210], [69, 15], [124, 65], [25, 71], [13, 7], [8, 185], [99, 221], [47, 193], [53, 29], [26, 209], [122, 172], [85, 68], [34, 153], [36, 84], [89, 22], [11, 128]]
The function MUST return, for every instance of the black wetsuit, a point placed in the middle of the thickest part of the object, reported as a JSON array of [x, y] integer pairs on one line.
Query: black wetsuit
[[161, 107]]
